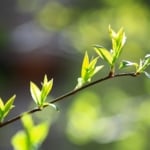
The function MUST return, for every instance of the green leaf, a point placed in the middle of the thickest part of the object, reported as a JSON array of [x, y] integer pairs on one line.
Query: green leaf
[[53, 106], [27, 122], [147, 56], [118, 41], [92, 68], [104, 54], [88, 70], [2, 107], [47, 86], [39, 133], [143, 64], [45, 79], [5, 108], [19, 141], [98, 68], [9, 105], [126, 63], [85, 65], [35, 93], [92, 63], [33, 135], [147, 74], [39, 96]]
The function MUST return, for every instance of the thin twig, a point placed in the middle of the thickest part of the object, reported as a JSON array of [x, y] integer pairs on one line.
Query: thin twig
[[91, 84], [110, 76]]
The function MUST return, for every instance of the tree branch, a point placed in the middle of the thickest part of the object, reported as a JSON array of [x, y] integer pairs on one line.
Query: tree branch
[[110, 76]]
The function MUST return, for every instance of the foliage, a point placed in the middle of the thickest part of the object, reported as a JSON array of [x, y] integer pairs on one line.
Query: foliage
[[139, 68], [89, 69], [33, 135], [118, 41], [39, 96], [5, 108]]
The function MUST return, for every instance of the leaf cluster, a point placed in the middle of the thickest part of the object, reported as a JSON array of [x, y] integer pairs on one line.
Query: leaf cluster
[[139, 67], [32, 136], [118, 39], [39, 96], [5, 108], [89, 69]]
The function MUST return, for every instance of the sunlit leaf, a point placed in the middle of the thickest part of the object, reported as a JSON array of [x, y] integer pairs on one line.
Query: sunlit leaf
[[39, 96], [35, 92], [1, 105], [88, 70], [5, 108], [126, 63], [53, 106], [112, 32], [85, 64], [9, 105], [1, 109], [118, 41], [45, 79], [147, 74], [33, 135], [19, 141], [98, 68], [46, 88], [92, 63], [39, 133], [104, 54], [27, 121], [147, 56], [143, 64]]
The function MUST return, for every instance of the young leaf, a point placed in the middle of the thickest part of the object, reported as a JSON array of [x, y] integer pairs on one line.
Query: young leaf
[[1, 109], [39, 96], [104, 54], [1, 105], [35, 93], [32, 136], [85, 65], [88, 70], [27, 122], [98, 68], [9, 105], [39, 133], [46, 88], [54, 106], [118, 41], [143, 64], [35, 133], [5, 108], [147, 74], [126, 63], [19, 141]]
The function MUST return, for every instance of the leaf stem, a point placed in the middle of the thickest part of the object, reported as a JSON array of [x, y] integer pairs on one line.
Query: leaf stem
[[72, 92]]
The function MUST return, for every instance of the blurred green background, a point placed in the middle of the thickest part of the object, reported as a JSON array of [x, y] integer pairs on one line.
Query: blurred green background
[[51, 36]]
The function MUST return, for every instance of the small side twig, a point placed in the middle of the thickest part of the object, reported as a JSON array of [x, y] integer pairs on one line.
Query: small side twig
[[68, 95]]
